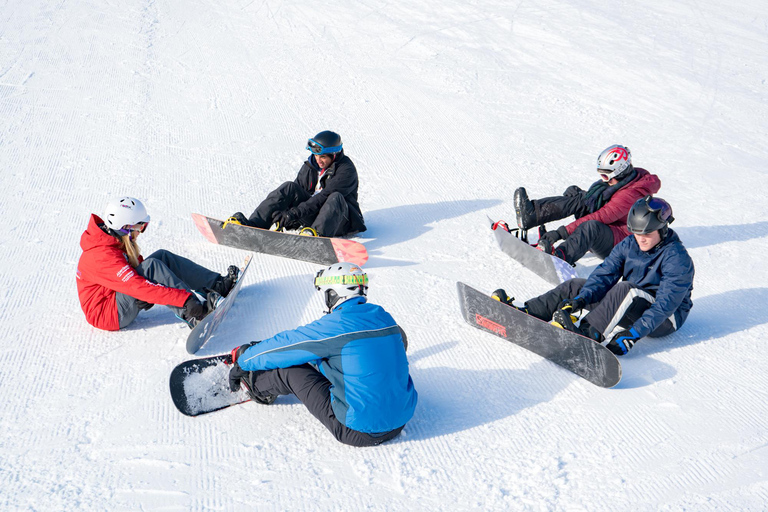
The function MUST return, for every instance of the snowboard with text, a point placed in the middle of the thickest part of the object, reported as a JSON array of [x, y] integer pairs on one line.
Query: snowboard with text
[[204, 330], [315, 249], [549, 267], [200, 386], [574, 352]]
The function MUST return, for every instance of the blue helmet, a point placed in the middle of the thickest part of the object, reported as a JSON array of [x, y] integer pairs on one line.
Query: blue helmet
[[325, 143]]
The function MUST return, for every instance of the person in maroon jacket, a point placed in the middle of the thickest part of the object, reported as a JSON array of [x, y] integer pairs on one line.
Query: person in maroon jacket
[[114, 282], [600, 212]]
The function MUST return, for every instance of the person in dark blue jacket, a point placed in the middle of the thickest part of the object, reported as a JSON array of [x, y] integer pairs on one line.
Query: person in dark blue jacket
[[348, 368], [643, 288]]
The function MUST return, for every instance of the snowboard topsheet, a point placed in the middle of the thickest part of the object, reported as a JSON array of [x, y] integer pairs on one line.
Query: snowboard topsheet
[[204, 330], [324, 251], [551, 268], [578, 354], [200, 386]]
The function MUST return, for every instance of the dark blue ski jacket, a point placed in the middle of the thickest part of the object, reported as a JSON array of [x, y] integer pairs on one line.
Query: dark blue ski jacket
[[666, 272], [359, 349]]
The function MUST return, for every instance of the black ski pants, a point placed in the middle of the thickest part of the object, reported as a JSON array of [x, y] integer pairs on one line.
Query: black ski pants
[[592, 235], [331, 220], [313, 390], [621, 307]]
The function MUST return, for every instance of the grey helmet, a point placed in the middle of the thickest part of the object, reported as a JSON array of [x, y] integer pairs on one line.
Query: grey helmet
[[650, 214], [341, 282], [614, 162]]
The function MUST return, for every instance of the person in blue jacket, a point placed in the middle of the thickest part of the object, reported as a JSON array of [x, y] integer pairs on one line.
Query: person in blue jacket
[[643, 288], [348, 368]]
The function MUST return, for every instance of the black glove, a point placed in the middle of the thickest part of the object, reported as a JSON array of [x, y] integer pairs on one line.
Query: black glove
[[623, 341], [575, 304], [193, 308], [573, 191], [143, 305], [548, 239], [288, 219], [235, 374]]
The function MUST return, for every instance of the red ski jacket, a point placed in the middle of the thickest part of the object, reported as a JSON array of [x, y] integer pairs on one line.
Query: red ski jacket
[[103, 270], [614, 212]]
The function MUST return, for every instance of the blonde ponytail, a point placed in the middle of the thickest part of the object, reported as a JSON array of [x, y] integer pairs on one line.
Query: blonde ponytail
[[132, 249]]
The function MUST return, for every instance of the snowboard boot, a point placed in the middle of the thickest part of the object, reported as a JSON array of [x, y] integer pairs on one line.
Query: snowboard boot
[[564, 320], [248, 383], [213, 299], [501, 296], [238, 218], [193, 311], [224, 284], [308, 231], [524, 209], [590, 332]]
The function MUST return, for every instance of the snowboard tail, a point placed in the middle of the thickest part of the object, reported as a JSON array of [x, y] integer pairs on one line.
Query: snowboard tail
[[578, 354], [205, 329], [200, 386], [550, 268], [321, 250]]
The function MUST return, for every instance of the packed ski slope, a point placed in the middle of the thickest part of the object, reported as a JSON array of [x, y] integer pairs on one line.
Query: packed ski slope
[[445, 107]]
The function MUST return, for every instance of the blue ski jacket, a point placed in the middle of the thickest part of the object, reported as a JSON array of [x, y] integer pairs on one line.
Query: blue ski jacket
[[666, 272], [359, 349]]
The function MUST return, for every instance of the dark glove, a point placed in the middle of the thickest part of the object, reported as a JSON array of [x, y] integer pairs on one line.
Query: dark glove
[[623, 341], [548, 239], [575, 304], [236, 373], [288, 219], [143, 305], [573, 191], [193, 308]]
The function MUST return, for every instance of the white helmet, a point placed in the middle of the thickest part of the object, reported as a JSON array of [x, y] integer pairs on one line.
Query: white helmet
[[614, 162], [123, 212], [341, 282]]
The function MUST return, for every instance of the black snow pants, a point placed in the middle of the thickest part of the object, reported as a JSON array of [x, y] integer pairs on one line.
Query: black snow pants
[[592, 235], [621, 307], [331, 220], [313, 390]]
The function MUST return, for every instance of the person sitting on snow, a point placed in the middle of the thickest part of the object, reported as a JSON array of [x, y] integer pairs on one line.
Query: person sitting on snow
[[643, 288], [331, 210], [348, 368], [115, 282], [600, 212]]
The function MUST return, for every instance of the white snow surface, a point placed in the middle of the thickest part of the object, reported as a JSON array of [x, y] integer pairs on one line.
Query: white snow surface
[[445, 107]]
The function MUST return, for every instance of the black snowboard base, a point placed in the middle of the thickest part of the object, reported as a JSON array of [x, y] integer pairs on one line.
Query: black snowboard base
[[200, 386], [575, 353]]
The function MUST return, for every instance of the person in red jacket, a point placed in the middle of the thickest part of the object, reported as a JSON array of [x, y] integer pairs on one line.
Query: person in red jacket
[[600, 212], [114, 282]]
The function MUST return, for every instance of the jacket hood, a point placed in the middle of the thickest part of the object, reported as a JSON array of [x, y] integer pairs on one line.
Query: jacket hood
[[94, 236]]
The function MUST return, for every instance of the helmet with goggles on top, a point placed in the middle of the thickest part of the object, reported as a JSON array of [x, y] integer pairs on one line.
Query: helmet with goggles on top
[[341, 282], [650, 214]]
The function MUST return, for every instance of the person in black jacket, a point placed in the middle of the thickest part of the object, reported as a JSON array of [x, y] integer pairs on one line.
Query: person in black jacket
[[321, 201], [643, 288]]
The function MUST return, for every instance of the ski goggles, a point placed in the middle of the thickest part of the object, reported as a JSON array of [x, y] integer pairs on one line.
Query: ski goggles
[[345, 280], [660, 207], [607, 174], [128, 228], [318, 149]]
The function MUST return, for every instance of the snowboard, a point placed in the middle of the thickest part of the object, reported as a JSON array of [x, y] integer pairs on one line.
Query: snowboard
[[204, 330], [315, 249], [550, 268], [201, 386], [574, 352]]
